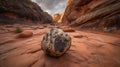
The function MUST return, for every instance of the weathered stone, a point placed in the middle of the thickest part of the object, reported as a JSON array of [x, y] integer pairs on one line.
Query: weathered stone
[[55, 42], [25, 34], [68, 30]]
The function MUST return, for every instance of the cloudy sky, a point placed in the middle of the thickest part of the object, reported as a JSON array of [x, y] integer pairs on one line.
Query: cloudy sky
[[52, 6]]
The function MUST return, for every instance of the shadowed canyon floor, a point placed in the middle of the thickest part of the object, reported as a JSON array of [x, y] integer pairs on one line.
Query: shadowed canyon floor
[[87, 50]]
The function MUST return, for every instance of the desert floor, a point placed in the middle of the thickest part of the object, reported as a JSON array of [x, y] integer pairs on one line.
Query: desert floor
[[87, 49]]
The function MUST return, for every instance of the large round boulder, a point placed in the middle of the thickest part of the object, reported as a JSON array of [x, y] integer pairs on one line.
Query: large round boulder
[[55, 42]]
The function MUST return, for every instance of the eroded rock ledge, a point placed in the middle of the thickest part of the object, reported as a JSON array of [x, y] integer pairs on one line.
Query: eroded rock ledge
[[21, 11], [93, 14]]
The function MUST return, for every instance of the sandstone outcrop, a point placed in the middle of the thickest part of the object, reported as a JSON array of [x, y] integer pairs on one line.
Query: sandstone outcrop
[[93, 14], [22, 11], [56, 17]]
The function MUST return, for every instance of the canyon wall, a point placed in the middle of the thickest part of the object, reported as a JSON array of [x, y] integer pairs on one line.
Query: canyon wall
[[93, 14], [22, 11]]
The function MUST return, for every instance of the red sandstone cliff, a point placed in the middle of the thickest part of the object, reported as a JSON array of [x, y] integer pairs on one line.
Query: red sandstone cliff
[[21, 11], [94, 14]]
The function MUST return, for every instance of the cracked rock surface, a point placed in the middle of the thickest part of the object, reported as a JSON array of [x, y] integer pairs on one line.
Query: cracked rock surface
[[56, 42], [87, 49]]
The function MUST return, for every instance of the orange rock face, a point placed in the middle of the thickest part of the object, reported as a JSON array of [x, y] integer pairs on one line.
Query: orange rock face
[[93, 14], [56, 17]]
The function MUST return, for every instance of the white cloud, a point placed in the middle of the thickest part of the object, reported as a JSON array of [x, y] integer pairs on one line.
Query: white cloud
[[52, 6]]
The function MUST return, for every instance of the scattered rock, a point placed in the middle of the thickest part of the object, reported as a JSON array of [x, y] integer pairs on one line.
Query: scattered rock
[[56, 42], [79, 36], [25, 34], [69, 30]]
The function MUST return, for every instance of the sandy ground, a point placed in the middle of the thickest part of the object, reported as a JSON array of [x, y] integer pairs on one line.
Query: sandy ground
[[87, 50]]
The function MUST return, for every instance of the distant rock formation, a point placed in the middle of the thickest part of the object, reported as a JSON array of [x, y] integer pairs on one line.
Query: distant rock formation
[[21, 11], [93, 14], [56, 17]]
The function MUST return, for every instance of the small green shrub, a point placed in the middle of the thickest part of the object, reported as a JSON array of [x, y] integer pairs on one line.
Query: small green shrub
[[18, 30]]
